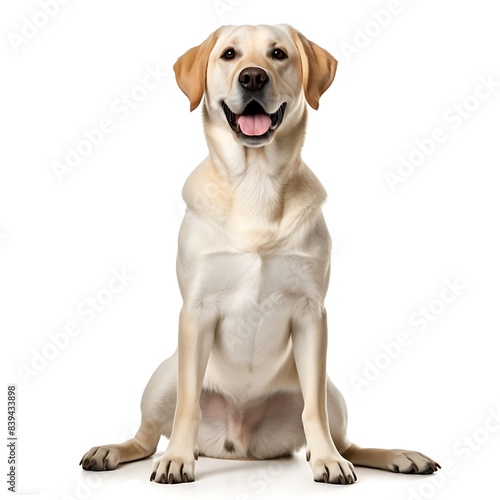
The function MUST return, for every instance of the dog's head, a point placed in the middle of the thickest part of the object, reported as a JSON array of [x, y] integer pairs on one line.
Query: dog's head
[[255, 79]]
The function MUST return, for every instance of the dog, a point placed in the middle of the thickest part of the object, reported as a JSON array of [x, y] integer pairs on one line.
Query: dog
[[248, 380]]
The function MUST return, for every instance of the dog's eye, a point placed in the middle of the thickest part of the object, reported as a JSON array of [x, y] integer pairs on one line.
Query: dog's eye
[[229, 54], [279, 54]]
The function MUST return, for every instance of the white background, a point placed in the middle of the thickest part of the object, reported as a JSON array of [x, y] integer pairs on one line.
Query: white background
[[121, 209]]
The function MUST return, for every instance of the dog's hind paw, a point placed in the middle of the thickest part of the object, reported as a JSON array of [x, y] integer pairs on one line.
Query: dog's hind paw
[[412, 462], [100, 458]]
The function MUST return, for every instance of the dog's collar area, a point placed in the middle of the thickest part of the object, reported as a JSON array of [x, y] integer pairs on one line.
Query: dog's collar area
[[254, 121]]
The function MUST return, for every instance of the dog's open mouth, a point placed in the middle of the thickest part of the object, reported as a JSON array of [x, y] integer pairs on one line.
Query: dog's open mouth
[[254, 121]]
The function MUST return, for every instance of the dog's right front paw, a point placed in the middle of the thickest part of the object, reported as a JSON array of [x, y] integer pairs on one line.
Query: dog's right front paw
[[173, 469], [100, 458]]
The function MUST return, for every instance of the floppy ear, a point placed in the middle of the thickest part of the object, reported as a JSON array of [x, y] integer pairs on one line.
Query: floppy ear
[[318, 68], [191, 69]]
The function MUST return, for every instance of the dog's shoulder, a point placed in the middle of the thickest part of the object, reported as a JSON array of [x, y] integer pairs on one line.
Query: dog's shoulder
[[304, 197], [304, 188], [207, 193]]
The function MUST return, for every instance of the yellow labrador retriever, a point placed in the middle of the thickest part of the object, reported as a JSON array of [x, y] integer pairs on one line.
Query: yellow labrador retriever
[[248, 380]]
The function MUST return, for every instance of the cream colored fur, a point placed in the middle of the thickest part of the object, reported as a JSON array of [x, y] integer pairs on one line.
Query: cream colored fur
[[249, 377]]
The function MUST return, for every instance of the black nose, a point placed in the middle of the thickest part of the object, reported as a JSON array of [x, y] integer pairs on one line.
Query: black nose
[[253, 78]]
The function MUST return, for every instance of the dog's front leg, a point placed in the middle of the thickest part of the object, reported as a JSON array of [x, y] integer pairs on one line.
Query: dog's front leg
[[309, 341], [196, 334]]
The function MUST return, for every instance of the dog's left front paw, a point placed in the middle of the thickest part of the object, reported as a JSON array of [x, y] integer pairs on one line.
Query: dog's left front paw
[[411, 462], [171, 470], [333, 471]]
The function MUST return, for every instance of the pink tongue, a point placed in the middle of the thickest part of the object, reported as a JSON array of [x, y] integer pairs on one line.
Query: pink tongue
[[254, 124]]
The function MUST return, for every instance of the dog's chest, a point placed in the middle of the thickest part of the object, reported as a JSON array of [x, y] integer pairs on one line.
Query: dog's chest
[[254, 297], [243, 280], [236, 274]]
